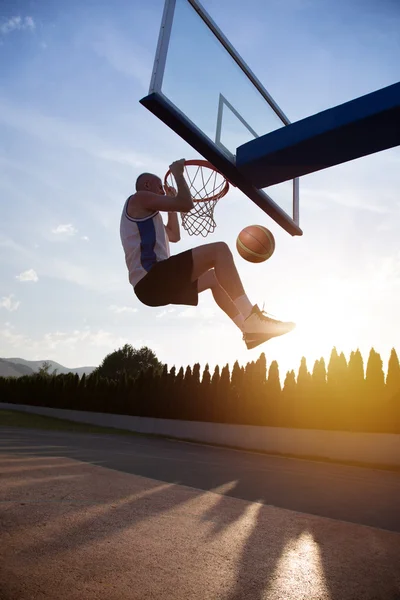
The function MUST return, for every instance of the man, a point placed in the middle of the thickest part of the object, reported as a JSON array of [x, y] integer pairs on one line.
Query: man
[[160, 279]]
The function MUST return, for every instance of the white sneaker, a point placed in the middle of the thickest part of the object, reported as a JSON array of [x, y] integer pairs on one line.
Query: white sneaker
[[259, 328]]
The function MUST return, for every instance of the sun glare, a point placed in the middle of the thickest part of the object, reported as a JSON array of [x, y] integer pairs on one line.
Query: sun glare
[[326, 314], [325, 317]]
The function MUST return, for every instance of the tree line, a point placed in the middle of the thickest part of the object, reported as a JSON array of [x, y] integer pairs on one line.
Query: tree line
[[340, 395]]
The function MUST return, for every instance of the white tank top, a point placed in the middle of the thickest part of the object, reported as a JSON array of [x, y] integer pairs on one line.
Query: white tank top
[[144, 241]]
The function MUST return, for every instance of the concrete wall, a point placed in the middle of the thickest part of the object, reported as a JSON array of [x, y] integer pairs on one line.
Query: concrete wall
[[370, 448]]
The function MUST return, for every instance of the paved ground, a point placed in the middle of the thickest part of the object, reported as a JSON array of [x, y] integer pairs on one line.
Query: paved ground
[[92, 516]]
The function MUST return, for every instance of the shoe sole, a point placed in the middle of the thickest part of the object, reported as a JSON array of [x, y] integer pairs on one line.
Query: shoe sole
[[259, 338], [252, 344]]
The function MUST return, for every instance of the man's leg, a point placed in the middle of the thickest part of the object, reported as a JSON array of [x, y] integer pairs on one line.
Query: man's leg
[[209, 281], [218, 256], [256, 326]]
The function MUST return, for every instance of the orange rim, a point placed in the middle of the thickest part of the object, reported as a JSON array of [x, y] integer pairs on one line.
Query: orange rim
[[207, 165]]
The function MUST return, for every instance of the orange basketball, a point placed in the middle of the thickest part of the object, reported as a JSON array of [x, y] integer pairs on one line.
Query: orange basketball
[[255, 243]]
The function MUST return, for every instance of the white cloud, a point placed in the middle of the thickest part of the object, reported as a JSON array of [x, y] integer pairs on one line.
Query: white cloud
[[8, 303], [70, 348], [53, 130], [191, 312], [6, 242], [122, 309], [29, 275], [194, 312], [17, 24], [164, 312], [68, 229], [83, 275], [9, 339], [85, 237], [122, 54]]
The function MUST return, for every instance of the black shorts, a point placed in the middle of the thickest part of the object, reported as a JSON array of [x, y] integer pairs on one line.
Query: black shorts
[[169, 282]]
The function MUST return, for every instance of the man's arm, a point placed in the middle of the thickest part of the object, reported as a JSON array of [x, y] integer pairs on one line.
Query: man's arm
[[172, 227], [181, 202]]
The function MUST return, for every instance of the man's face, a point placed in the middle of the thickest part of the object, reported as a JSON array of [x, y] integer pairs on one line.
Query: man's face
[[155, 185]]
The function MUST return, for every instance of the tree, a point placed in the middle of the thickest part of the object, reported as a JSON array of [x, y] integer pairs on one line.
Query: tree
[[355, 390], [274, 383], [194, 398], [356, 370], [44, 370], [236, 378], [130, 361], [318, 400], [289, 385], [204, 394], [393, 375], [261, 365], [374, 387], [318, 376], [236, 393], [213, 394], [336, 390], [273, 395], [333, 369], [302, 407], [224, 395], [374, 377]]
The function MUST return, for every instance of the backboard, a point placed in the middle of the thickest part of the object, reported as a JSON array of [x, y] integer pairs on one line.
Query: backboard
[[203, 90]]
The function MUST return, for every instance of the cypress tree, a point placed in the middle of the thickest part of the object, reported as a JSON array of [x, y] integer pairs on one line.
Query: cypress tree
[[355, 390], [205, 395], [374, 388], [342, 409], [195, 399], [224, 395], [301, 406], [332, 390], [274, 383], [317, 415], [178, 394], [236, 379], [393, 375], [214, 388], [261, 365], [187, 395], [273, 393], [236, 393], [288, 396], [170, 393]]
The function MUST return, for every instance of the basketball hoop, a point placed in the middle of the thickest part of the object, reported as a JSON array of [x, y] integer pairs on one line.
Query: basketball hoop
[[207, 186]]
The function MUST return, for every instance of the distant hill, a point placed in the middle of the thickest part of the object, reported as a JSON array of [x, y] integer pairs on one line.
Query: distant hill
[[34, 366], [10, 369]]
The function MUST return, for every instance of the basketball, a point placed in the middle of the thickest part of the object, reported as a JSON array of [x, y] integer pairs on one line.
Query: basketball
[[255, 243]]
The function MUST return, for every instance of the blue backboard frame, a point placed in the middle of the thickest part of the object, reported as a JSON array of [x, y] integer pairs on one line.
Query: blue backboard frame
[[362, 126]]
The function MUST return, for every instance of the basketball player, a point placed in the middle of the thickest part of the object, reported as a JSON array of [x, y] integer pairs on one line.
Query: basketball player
[[159, 279]]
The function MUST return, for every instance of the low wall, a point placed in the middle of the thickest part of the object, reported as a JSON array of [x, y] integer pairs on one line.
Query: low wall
[[370, 448]]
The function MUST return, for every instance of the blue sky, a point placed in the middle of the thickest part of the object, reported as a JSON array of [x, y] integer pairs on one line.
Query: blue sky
[[73, 138]]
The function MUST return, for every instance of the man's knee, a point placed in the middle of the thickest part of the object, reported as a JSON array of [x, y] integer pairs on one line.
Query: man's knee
[[221, 247], [207, 281], [222, 250]]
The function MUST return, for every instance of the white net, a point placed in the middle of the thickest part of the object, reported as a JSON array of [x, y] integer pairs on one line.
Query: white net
[[207, 186]]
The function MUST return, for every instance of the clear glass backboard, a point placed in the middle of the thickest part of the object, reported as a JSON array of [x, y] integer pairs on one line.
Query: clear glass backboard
[[203, 90]]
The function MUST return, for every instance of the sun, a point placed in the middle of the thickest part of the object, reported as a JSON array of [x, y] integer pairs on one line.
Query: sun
[[327, 314]]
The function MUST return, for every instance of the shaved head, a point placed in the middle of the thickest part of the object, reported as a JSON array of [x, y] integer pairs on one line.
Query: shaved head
[[146, 178]]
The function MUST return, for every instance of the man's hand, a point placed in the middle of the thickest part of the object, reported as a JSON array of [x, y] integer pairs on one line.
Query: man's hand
[[177, 167], [183, 195], [170, 191]]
